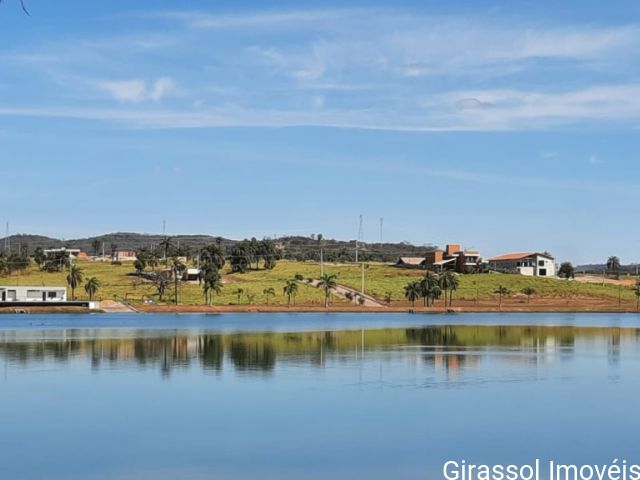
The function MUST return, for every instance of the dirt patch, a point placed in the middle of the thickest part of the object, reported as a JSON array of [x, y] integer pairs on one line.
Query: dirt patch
[[624, 281]]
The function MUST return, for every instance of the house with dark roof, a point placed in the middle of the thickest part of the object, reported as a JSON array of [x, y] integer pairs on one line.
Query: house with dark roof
[[532, 264]]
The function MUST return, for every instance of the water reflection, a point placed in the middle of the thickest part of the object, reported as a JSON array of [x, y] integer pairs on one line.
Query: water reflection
[[450, 348]]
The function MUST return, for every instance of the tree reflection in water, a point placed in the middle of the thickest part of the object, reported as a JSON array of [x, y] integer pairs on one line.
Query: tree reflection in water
[[449, 347]]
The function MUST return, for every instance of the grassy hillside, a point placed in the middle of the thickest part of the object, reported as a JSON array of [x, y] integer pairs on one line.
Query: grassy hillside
[[379, 278]]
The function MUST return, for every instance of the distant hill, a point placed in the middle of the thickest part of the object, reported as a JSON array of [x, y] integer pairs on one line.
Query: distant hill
[[598, 268], [295, 247]]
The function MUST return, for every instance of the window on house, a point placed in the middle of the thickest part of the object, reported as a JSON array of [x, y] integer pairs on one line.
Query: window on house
[[541, 263], [542, 272], [52, 294], [33, 294]]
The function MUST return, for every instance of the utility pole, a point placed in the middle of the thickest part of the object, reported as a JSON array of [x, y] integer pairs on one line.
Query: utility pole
[[362, 281], [360, 235], [321, 262], [164, 227]]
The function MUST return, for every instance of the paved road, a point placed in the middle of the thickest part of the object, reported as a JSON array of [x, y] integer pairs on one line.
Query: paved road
[[343, 290]]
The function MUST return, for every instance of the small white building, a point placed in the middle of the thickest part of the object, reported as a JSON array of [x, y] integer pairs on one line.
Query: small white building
[[531, 264], [72, 252], [191, 275], [33, 294]]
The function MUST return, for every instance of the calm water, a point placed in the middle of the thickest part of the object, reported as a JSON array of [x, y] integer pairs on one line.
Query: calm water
[[311, 396]]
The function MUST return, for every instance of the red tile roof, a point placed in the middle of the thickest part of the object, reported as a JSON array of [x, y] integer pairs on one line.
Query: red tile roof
[[512, 256]]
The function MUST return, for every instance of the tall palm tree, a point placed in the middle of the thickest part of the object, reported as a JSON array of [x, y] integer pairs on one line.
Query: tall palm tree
[[211, 283], [74, 279], [613, 265], [290, 289], [91, 287], [413, 291], [178, 270], [95, 245], [327, 282], [501, 291], [239, 293], [166, 244], [428, 284], [269, 292], [449, 282]]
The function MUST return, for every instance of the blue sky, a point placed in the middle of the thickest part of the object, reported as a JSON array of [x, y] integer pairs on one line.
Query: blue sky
[[505, 126]]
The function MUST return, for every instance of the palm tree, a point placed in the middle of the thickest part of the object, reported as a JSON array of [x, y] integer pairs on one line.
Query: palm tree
[[290, 289], [269, 292], [528, 291], [428, 285], [613, 265], [91, 287], [500, 291], [74, 279], [166, 244], [239, 293], [211, 283], [449, 282], [413, 291], [178, 271], [96, 247], [327, 282]]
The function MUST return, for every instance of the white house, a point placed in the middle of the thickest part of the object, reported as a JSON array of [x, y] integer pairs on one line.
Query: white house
[[33, 294], [531, 264]]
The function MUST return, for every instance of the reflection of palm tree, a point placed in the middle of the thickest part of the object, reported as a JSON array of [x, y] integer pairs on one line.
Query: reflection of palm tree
[[74, 279], [327, 282], [290, 289], [91, 287]]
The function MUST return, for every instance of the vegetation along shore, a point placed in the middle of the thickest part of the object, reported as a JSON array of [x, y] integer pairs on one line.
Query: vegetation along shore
[[253, 276]]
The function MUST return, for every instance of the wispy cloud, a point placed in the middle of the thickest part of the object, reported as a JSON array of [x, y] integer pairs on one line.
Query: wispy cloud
[[488, 111], [137, 90], [375, 68], [267, 18]]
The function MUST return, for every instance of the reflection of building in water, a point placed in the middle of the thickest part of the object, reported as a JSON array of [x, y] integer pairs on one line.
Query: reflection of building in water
[[450, 349], [613, 344]]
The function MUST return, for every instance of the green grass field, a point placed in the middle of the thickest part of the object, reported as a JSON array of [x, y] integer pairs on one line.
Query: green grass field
[[379, 279]]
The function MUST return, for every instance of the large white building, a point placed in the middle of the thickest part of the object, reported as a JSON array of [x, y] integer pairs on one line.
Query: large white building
[[529, 263], [33, 294]]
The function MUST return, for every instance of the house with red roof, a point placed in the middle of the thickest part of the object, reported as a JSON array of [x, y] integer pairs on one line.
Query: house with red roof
[[532, 264]]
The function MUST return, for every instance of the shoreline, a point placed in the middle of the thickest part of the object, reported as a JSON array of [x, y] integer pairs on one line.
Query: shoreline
[[173, 309]]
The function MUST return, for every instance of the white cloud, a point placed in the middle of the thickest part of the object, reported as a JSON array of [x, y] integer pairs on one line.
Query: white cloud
[[286, 18], [137, 90], [160, 88], [125, 90], [509, 110]]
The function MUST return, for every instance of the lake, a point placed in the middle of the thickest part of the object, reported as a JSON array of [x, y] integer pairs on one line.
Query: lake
[[312, 396]]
